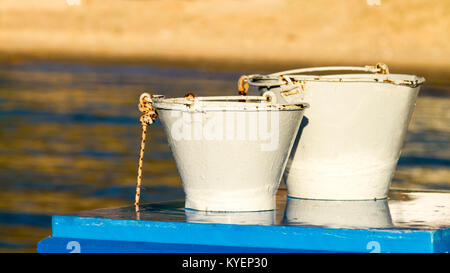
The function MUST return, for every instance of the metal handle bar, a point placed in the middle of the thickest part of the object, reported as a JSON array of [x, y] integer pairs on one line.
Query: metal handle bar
[[379, 68], [280, 79]]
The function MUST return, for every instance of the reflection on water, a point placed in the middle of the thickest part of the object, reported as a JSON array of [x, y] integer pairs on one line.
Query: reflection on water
[[69, 140], [239, 218], [339, 214], [403, 209]]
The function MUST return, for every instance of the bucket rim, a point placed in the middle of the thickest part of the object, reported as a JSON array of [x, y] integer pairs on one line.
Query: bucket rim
[[224, 103], [274, 79]]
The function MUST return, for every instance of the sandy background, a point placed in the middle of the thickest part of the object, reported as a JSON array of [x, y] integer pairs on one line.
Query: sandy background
[[408, 35]]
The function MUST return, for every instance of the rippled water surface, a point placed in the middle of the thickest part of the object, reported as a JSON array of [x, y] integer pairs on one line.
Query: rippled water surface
[[69, 139]]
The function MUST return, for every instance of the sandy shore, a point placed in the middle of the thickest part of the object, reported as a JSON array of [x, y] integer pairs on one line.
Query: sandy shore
[[404, 34]]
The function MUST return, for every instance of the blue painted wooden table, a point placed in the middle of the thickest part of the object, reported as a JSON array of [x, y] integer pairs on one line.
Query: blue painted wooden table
[[406, 222]]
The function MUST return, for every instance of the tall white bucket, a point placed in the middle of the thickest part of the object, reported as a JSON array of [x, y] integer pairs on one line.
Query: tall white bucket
[[230, 152], [350, 140]]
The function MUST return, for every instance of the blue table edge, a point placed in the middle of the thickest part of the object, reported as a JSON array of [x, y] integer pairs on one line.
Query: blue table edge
[[120, 235]]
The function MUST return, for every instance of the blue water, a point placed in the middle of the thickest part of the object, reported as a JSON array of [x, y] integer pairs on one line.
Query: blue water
[[70, 136]]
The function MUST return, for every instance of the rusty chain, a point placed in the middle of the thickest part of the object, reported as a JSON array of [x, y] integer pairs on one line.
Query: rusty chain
[[243, 85]]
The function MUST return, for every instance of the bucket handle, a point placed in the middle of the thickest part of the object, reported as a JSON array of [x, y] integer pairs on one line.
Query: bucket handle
[[378, 68], [245, 81]]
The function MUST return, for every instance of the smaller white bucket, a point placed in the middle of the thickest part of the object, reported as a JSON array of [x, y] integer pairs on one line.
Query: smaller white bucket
[[338, 214], [230, 152]]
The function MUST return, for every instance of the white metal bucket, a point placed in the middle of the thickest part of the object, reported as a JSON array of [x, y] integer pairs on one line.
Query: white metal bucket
[[350, 140], [230, 152], [338, 214]]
